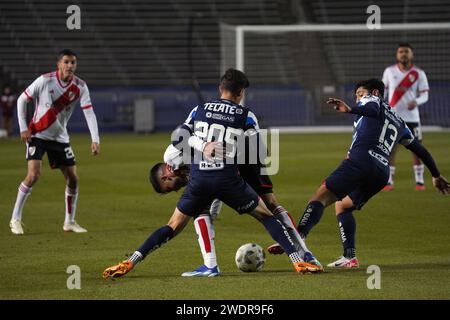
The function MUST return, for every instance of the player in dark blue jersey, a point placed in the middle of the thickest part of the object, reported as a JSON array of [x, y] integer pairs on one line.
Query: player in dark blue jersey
[[366, 170], [214, 173]]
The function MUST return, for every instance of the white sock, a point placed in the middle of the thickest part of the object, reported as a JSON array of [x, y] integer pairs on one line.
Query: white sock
[[205, 232], [22, 196], [71, 204], [418, 173], [391, 175], [281, 214]]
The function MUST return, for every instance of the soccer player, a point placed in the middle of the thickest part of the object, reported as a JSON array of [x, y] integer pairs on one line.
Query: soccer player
[[366, 170], [215, 176], [55, 94], [407, 88], [172, 175]]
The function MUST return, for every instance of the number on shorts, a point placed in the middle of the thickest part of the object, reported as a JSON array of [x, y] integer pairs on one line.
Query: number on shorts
[[69, 153]]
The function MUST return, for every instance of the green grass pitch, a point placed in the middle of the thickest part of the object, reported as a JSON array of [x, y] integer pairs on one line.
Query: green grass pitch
[[406, 233]]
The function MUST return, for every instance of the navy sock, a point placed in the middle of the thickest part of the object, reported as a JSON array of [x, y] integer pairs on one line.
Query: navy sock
[[347, 231], [156, 239], [311, 216], [279, 234]]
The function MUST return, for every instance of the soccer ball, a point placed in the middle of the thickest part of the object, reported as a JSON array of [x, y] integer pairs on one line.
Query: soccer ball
[[250, 257]]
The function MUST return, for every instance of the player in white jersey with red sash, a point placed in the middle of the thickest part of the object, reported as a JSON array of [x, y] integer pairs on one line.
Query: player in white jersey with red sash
[[406, 89], [55, 95]]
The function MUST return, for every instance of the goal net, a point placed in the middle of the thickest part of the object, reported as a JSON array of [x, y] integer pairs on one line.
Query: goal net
[[294, 68]]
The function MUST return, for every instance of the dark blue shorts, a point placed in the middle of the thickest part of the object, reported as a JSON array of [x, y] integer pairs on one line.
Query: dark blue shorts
[[359, 182], [202, 190]]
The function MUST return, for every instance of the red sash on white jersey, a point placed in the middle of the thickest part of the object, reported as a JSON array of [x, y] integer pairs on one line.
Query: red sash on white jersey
[[410, 78], [69, 96]]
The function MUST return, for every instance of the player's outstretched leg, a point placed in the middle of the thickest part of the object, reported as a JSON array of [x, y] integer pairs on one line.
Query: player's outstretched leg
[[153, 242], [279, 233], [160, 236], [205, 234], [283, 215]]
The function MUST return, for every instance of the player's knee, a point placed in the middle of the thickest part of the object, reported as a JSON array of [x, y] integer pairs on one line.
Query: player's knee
[[339, 207], [270, 201], [72, 180], [32, 177]]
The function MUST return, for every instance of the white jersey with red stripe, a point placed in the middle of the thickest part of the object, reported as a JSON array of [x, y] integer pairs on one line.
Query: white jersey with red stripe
[[402, 88], [55, 102]]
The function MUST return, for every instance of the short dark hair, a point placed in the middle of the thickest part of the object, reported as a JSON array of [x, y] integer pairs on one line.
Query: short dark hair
[[371, 85], [66, 52], [234, 81], [404, 45], [153, 177]]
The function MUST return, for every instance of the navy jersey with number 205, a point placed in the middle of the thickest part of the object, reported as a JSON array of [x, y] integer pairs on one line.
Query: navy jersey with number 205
[[221, 121], [377, 131], [226, 122]]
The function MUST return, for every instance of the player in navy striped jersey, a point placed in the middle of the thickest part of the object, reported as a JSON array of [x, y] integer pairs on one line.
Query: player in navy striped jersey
[[214, 173], [173, 174], [366, 170]]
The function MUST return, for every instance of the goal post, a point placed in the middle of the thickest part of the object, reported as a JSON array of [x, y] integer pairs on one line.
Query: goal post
[[316, 61]]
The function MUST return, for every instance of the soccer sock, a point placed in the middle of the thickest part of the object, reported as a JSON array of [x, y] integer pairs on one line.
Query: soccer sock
[[281, 214], [418, 173], [310, 218], [205, 233], [347, 231], [136, 257], [71, 204], [280, 235], [22, 195], [155, 240], [391, 175]]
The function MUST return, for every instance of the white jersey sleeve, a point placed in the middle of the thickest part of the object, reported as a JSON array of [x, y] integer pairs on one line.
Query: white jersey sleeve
[[32, 91], [173, 157], [423, 82], [385, 80], [85, 98]]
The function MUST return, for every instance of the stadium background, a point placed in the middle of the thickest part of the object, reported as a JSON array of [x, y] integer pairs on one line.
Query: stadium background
[[155, 50]]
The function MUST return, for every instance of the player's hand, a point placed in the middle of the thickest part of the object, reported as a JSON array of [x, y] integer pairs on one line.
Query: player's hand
[[442, 185], [213, 151], [25, 136], [339, 105], [95, 148], [412, 105]]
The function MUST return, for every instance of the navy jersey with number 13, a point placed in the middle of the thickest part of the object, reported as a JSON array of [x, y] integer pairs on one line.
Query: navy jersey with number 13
[[377, 131]]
